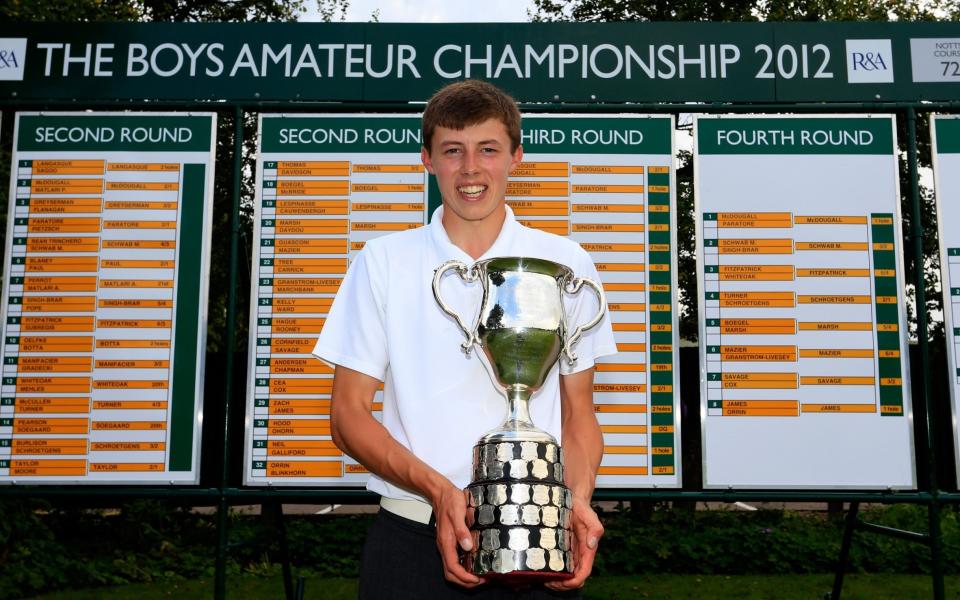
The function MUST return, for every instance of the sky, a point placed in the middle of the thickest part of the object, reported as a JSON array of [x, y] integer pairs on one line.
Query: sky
[[435, 11]]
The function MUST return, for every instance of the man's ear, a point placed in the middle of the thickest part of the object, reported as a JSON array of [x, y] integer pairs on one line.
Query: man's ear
[[516, 158], [425, 159]]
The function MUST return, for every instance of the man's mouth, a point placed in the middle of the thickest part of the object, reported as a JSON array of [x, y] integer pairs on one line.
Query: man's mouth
[[472, 191]]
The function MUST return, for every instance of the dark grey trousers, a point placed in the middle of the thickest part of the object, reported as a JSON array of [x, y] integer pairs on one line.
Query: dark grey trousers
[[401, 562]]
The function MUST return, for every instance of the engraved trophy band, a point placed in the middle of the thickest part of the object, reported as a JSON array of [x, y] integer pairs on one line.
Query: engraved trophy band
[[519, 507]]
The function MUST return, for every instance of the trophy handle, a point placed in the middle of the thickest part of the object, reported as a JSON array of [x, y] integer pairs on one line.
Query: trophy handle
[[468, 275], [572, 287]]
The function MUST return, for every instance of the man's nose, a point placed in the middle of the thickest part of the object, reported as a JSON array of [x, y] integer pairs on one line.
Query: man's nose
[[469, 164]]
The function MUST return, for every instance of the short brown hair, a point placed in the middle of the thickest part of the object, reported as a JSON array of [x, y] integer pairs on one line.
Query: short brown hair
[[470, 102]]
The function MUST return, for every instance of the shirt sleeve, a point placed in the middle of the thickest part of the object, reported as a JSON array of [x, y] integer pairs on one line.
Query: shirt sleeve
[[354, 334], [596, 342]]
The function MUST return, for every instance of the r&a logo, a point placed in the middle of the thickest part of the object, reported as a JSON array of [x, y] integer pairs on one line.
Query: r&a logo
[[13, 53], [869, 61]]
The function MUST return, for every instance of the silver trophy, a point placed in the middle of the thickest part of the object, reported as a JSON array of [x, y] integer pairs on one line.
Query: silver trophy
[[519, 508]]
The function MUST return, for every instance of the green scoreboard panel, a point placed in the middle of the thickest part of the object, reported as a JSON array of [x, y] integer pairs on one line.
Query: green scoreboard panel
[[803, 340], [104, 298]]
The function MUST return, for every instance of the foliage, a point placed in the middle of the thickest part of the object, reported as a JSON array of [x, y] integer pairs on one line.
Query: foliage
[[743, 10], [45, 547]]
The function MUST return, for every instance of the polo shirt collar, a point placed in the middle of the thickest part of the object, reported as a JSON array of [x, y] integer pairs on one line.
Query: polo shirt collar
[[447, 248]]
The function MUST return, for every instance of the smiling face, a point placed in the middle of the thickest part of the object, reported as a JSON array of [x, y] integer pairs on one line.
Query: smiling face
[[472, 166]]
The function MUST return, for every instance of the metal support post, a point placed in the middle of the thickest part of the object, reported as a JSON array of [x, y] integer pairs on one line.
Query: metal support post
[[933, 509], [851, 525], [220, 576]]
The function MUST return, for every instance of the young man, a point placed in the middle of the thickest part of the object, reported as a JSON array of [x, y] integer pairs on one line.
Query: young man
[[385, 326]]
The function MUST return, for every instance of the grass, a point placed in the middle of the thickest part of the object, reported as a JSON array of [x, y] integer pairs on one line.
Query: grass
[[646, 587]]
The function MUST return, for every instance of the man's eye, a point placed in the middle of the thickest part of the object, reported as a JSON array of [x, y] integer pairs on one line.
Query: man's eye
[[452, 151], [489, 150]]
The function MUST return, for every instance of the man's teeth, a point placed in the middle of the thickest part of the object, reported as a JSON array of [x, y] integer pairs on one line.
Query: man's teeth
[[472, 190]]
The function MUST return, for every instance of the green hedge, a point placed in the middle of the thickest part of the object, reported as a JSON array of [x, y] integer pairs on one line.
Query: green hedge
[[45, 547]]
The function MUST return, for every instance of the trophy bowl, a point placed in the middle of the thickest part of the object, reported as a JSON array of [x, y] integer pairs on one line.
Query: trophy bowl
[[518, 505]]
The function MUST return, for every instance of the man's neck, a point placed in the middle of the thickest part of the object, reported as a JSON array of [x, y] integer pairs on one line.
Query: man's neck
[[474, 237]]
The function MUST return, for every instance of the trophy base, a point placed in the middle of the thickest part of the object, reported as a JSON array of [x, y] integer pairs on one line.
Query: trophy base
[[519, 512], [526, 578]]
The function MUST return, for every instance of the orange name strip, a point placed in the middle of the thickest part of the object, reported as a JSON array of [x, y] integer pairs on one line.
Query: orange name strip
[[130, 166], [133, 343], [837, 353], [832, 246], [49, 446], [756, 273], [829, 220], [298, 427], [288, 187], [637, 429], [144, 186], [46, 264], [839, 408], [129, 425], [299, 366], [833, 380], [127, 446], [64, 343], [608, 169], [312, 207], [134, 323], [55, 426], [608, 208], [387, 187], [607, 189], [130, 404], [63, 225], [754, 220], [834, 326], [67, 167], [28, 468], [126, 467], [388, 168], [319, 468], [537, 188], [64, 205], [138, 244], [833, 272], [294, 285], [759, 353], [593, 247], [609, 227], [758, 326], [755, 246], [623, 470], [54, 364], [131, 384], [63, 244], [311, 246], [141, 205], [299, 407], [66, 186]]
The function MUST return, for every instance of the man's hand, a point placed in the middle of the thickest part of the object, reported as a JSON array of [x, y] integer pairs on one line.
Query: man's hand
[[587, 532], [450, 508]]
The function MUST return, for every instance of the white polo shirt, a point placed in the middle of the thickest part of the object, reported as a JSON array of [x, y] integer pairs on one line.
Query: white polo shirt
[[438, 401]]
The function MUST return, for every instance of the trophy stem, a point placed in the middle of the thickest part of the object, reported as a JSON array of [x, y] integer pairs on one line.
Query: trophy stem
[[518, 409]]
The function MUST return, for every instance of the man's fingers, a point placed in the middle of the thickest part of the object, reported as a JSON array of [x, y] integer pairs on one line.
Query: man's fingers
[[452, 569]]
